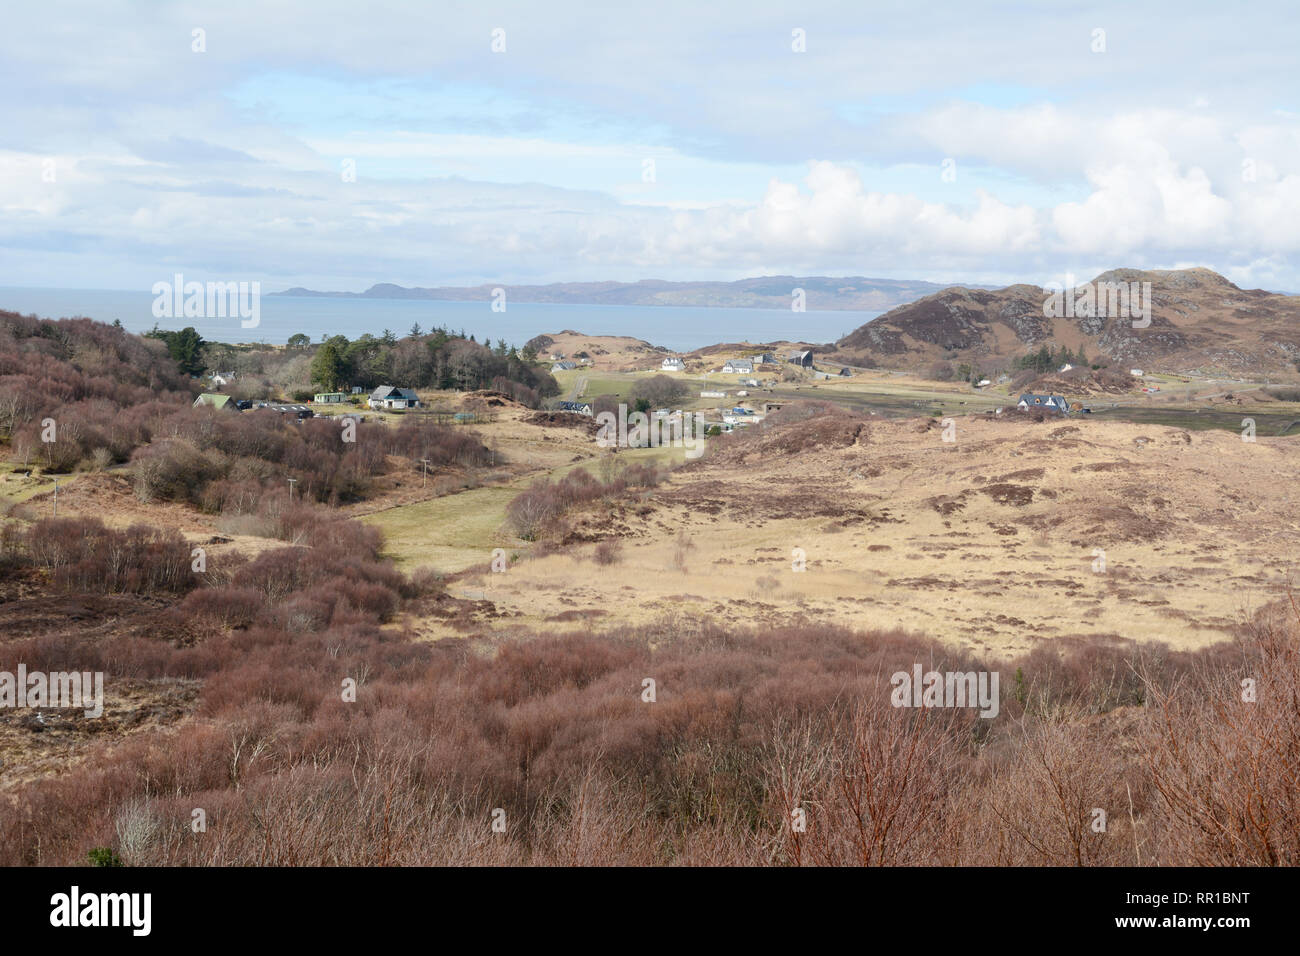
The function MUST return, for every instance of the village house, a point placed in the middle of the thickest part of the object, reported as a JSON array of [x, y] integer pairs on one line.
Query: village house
[[390, 396], [767, 358], [1050, 403], [565, 366], [329, 398], [214, 400], [577, 408], [222, 379], [803, 359], [673, 364], [738, 367]]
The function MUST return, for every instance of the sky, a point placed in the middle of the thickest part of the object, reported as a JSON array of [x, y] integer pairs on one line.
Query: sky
[[337, 144]]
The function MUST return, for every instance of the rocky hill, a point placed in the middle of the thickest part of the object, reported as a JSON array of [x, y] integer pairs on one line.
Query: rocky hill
[[1198, 320]]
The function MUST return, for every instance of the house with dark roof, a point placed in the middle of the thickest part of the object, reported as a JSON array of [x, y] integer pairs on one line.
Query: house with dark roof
[[803, 359], [390, 396], [738, 367], [1050, 403], [577, 408]]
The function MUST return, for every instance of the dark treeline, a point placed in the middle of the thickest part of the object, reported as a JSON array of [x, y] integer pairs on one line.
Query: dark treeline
[[438, 359]]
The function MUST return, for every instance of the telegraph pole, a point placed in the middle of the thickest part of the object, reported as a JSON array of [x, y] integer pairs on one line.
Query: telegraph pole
[[425, 480], [56, 497], [292, 481]]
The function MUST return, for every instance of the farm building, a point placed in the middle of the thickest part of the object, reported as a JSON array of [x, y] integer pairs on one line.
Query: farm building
[[286, 408], [803, 359]]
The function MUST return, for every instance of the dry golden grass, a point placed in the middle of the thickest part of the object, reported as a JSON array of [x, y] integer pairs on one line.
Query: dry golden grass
[[986, 542]]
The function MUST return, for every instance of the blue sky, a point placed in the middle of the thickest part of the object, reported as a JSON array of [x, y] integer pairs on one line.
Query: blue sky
[[990, 142]]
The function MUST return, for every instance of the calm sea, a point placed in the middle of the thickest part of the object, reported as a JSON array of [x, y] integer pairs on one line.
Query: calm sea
[[679, 328]]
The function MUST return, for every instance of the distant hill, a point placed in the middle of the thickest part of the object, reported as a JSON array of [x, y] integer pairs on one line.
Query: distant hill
[[767, 292], [1198, 321]]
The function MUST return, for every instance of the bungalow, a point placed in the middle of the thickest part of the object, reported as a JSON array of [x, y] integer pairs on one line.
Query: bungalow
[[390, 396], [713, 394], [803, 359], [738, 367], [577, 408], [564, 366], [673, 364], [329, 398], [1050, 403], [216, 401]]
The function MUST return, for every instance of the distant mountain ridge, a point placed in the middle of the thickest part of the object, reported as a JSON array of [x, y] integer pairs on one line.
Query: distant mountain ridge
[[1198, 320], [851, 293]]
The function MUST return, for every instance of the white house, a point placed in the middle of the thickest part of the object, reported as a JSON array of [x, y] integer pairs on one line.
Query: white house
[[1050, 403], [1136, 372], [390, 396], [673, 364]]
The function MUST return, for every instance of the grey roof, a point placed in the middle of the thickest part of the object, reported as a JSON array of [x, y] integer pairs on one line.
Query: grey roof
[[1033, 399], [392, 391]]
